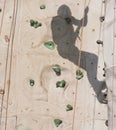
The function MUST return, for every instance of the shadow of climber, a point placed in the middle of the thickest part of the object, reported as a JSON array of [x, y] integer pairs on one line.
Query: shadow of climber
[[64, 35]]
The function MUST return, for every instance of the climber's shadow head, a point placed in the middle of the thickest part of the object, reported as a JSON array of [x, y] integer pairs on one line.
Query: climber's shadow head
[[64, 11], [62, 29]]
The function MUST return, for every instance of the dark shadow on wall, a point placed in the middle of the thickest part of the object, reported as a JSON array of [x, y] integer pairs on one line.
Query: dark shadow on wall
[[64, 35]]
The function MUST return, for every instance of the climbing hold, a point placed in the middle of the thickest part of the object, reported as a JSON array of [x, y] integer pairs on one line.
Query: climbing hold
[[106, 122], [99, 42], [32, 22], [0, 10], [79, 74], [102, 18], [57, 122], [61, 84], [42, 7], [68, 20], [50, 45], [69, 107], [32, 82], [35, 24], [57, 69]]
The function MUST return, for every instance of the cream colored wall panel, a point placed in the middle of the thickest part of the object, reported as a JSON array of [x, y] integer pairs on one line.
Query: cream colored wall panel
[[36, 106]]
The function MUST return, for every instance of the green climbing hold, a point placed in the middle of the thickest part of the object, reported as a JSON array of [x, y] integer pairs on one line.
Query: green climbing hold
[[32, 82], [42, 7], [57, 69], [69, 107], [57, 122], [61, 84], [35, 24], [68, 20], [79, 74], [32, 22], [50, 45]]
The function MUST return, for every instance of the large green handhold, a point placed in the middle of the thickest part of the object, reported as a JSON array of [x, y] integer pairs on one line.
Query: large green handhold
[[79, 74], [61, 84], [69, 107], [57, 69], [57, 122], [50, 45]]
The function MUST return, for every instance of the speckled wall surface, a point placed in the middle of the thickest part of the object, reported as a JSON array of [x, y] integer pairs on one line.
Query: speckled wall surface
[[24, 57]]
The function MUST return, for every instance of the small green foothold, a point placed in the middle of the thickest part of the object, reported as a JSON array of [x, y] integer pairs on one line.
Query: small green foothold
[[32, 22], [57, 122], [69, 107], [32, 82], [57, 69], [50, 45], [37, 24], [61, 84], [42, 7], [79, 74]]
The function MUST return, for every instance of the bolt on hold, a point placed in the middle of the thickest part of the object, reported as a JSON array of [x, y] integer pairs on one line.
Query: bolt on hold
[[99, 42], [102, 18], [50, 45], [61, 84]]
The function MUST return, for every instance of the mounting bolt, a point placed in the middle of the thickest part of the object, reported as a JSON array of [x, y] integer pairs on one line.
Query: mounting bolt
[[102, 18], [99, 42]]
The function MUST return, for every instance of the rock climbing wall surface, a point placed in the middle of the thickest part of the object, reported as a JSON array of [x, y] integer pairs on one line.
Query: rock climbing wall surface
[[45, 82]]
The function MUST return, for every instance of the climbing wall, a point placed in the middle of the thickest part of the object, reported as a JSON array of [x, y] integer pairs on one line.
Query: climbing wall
[[51, 67]]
